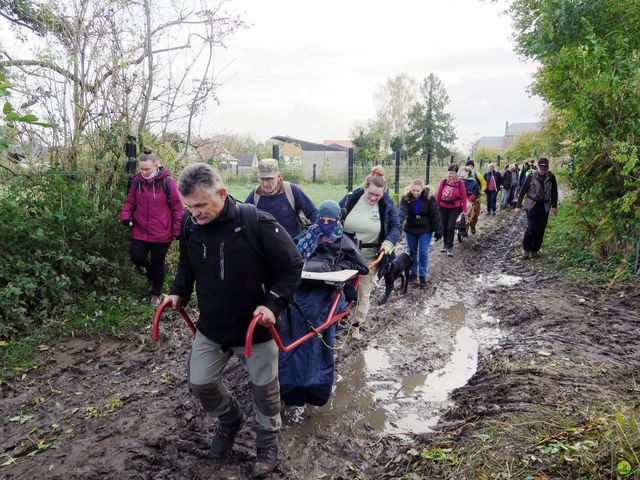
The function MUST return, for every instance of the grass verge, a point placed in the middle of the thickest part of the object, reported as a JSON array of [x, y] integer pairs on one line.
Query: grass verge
[[113, 315], [567, 249]]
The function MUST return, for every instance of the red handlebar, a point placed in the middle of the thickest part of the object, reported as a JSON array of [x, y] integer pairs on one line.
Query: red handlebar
[[331, 319], [158, 314]]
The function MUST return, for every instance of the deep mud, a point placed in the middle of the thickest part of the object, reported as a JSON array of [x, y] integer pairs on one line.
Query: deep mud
[[119, 408]]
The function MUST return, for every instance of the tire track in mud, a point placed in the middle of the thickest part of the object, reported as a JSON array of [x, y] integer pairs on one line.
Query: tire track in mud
[[120, 408]]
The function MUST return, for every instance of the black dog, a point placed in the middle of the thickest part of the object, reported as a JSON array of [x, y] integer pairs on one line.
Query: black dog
[[399, 268]]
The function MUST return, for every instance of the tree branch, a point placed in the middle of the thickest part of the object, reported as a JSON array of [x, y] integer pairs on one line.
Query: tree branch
[[51, 66]]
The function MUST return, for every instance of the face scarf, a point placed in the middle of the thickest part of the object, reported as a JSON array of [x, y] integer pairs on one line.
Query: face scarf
[[318, 232]]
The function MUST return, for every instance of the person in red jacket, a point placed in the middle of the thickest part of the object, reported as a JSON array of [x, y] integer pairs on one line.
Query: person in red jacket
[[152, 211], [451, 199]]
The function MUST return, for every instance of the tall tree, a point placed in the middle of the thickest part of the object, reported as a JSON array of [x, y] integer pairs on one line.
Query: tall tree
[[431, 128], [589, 52], [104, 69], [394, 101]]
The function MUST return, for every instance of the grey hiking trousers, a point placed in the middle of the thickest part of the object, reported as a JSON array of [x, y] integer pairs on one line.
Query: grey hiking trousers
[[206, 364]]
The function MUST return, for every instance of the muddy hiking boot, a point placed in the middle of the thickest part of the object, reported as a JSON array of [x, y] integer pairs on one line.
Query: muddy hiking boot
[[412, 277], [224, 438], [266, 462], [535, 254], [423, 282], [525, 254]]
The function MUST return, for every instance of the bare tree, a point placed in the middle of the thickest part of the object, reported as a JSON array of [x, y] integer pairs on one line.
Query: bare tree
[[104, 69], [393, 103]]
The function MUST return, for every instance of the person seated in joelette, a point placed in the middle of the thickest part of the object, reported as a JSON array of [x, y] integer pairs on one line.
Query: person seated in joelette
[[323, 246]]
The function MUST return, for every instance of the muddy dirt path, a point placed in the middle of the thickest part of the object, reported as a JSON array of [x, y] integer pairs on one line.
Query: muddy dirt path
[[110, 408]]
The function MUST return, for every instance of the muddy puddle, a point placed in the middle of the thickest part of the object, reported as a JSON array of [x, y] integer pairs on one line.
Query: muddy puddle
[[402, 381]]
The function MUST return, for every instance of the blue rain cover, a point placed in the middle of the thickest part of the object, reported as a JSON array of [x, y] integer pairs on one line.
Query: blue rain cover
[[306, 373]]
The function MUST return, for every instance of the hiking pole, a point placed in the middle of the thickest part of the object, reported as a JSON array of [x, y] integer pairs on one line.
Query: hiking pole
[[156, 319]]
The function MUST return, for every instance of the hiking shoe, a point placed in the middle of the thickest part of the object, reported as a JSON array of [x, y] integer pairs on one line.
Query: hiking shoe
[[525, 254], [266, 462], [535, 254], [223, 439], [473, 230], [155, 300], [449, 252], [412, 277], [355, 333], [423, 282], [443, 249]]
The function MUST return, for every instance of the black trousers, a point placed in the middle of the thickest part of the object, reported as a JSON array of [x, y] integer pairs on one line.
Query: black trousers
[[149, 257], [449, 216], [537, 220]]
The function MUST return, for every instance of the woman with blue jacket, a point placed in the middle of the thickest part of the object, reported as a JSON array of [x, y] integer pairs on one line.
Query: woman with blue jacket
[[372, 218], [418, 208]]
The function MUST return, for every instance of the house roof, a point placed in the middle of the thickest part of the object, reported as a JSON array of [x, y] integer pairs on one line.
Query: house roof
[[245, 159], [496, 143], [513, 129], [310, 146], [211, 150], [339, 143]]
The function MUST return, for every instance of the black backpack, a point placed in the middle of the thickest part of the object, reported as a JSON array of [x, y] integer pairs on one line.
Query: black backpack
[[249, 224]]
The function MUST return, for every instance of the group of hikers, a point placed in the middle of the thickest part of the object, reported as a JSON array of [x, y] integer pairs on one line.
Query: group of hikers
[[246, 261]]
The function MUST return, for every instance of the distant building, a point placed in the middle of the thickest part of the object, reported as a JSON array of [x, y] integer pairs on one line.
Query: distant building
[[511, 131], [246, 161], [339, 143], [329, 160]]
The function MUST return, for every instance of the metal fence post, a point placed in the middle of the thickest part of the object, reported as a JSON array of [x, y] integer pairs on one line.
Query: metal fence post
[[451, 160], [350, 170], [397, 180], [480, 167], [275, 152], [313, 178], [427, 173], [498, 162], [130, 150]]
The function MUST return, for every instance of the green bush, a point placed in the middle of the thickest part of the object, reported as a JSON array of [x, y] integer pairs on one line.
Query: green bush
[[59, 241], [568, 243]]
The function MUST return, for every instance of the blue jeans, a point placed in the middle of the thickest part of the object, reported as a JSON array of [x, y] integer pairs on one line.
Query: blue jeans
[[505, 198], [419, 251], [492, 196]]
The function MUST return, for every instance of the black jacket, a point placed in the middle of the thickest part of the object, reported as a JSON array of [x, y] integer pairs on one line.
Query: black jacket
[[342, 254], [496, 175], [427, 221], [232, 278]]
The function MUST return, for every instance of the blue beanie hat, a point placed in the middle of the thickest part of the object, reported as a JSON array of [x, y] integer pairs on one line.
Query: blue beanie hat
[[329, 209]]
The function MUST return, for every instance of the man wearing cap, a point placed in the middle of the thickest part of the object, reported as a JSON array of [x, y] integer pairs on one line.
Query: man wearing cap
[[282, 199], [541, 192]]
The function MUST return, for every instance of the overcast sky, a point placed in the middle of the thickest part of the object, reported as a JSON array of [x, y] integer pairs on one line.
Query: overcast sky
[[310, 69]]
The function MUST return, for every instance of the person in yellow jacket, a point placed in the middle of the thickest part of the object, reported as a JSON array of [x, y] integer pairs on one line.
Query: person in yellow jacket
[[474, 212]]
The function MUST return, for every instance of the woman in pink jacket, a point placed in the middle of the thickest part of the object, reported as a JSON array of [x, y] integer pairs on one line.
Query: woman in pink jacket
[[451, 199], [152, 211]]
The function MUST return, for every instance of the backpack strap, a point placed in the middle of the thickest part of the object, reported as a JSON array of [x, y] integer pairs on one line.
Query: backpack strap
[[249, 223], [288, 191]]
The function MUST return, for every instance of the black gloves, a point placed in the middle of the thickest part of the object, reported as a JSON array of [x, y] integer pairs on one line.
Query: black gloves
[[437, 236], [127, 222]]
